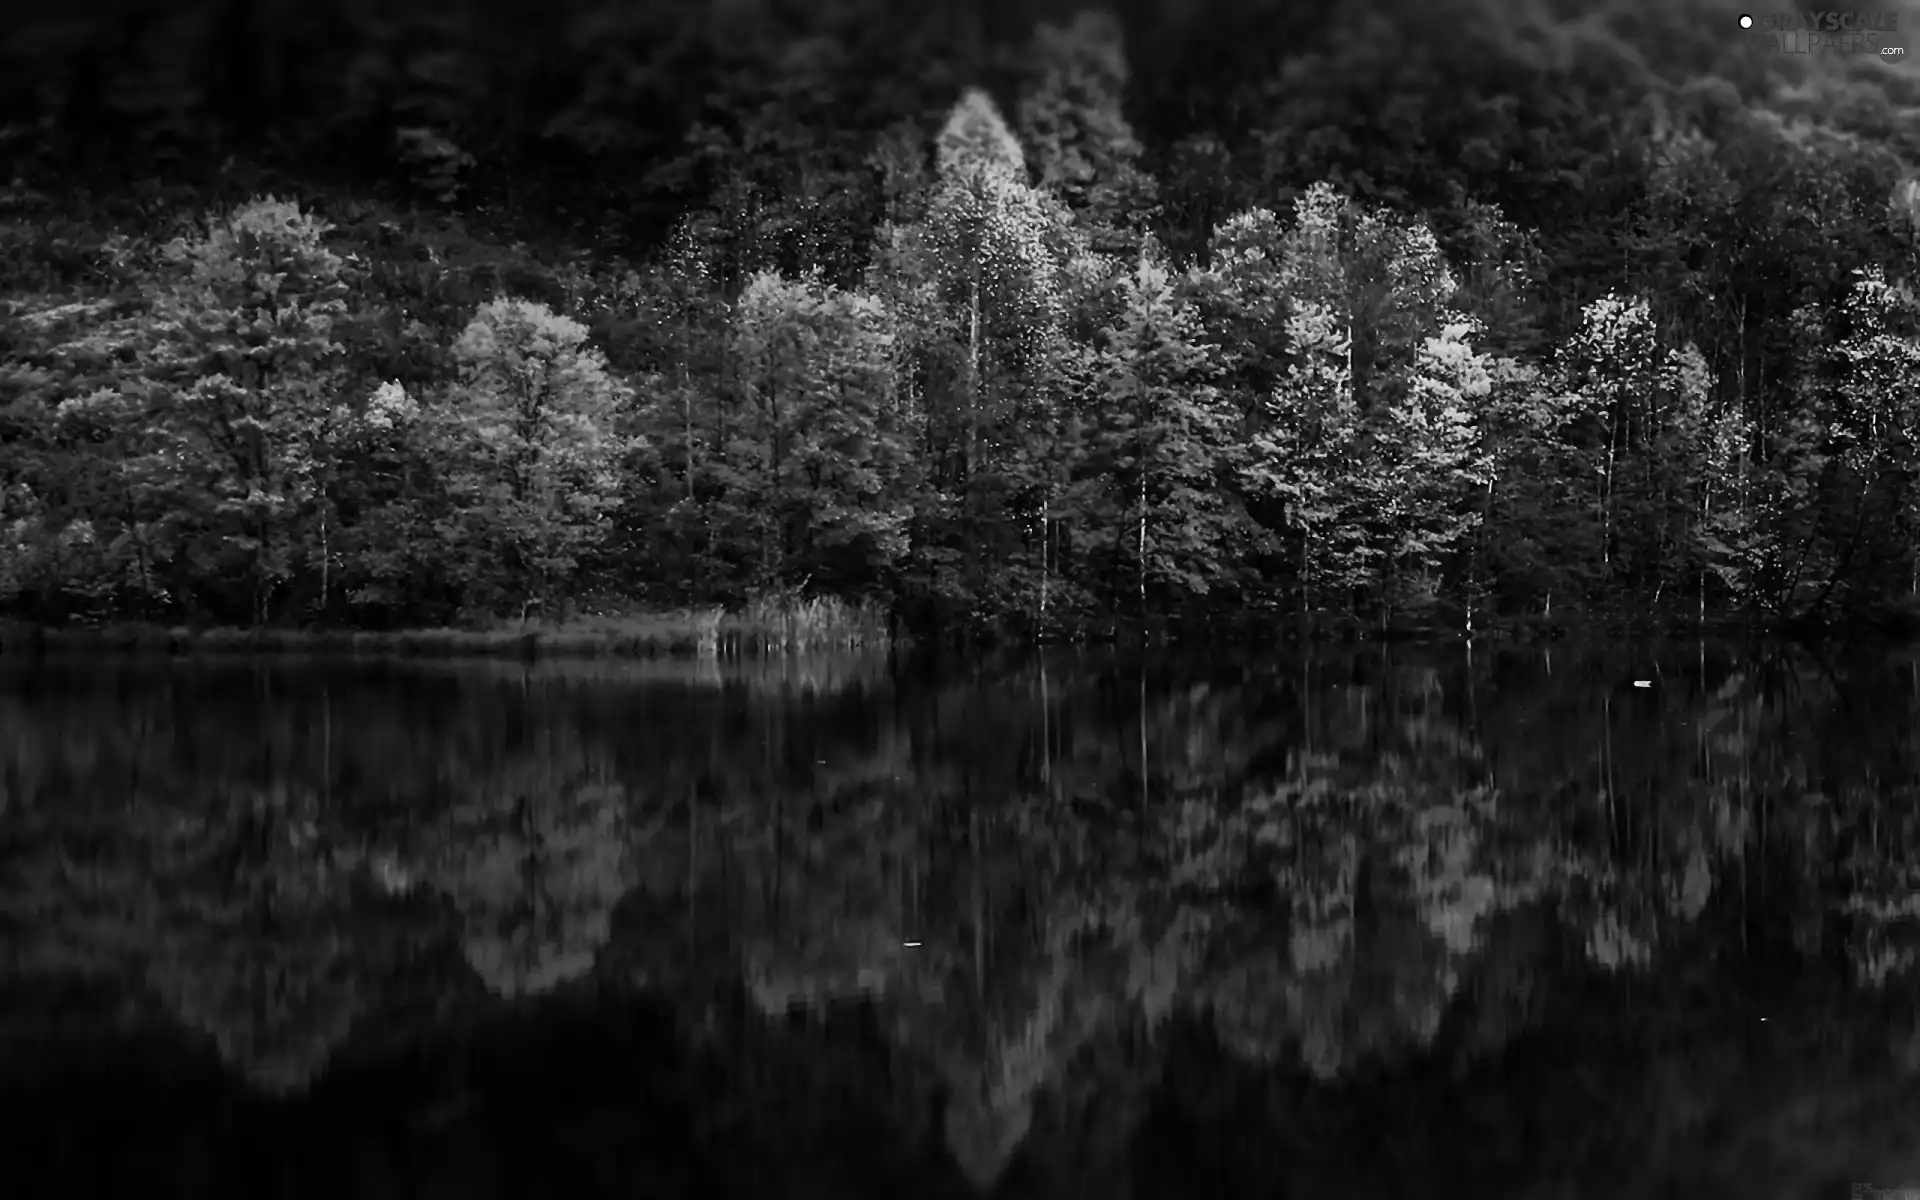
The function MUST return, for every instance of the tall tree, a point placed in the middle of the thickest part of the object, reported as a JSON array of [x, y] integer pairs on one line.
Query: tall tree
[[1429, 464], [1164, 435], [992, 249], [240, 377], [533, 452], [1303, 456], [830, 459]]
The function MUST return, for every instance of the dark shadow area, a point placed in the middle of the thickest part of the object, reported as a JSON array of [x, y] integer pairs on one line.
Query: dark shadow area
[[1385, 922]]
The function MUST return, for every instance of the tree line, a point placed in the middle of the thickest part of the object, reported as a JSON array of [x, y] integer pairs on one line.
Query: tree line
[[1021, 391]]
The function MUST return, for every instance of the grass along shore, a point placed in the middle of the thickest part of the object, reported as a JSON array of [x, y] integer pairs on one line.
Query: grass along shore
[[762, 628]]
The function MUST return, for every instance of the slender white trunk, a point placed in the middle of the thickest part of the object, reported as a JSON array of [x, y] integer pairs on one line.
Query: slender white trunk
[[1142, 565], [973, 419], [973, 373], [1046, 546], [1606, 503], [326, 560]]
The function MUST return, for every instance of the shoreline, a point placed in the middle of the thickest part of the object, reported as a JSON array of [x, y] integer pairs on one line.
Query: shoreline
[[662, 636], [708, 635]]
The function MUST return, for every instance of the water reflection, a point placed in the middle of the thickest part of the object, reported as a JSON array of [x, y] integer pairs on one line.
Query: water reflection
[[1360, 920]]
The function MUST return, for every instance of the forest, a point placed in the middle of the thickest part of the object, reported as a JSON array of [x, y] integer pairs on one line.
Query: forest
[[1022, 317]]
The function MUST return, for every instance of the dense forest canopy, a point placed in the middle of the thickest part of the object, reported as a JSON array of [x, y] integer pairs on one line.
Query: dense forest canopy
[[360, 313]]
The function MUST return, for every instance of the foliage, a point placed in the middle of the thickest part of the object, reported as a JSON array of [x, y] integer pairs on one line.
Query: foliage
[[1466, 312], [532, 447]]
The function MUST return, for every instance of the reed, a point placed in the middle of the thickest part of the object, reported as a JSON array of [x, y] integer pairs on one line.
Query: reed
[[785, 623]]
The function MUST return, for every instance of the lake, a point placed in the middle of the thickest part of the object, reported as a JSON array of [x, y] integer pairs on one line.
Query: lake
[[1371, 921]]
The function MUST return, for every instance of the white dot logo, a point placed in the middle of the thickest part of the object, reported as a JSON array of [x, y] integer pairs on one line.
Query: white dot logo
[[1746, 22]]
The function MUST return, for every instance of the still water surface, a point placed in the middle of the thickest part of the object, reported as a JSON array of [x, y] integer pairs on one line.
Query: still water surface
[[1374, 922]]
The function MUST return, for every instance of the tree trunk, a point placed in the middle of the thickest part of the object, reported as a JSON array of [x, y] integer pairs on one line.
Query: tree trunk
[[770, 504], [686, 400], [326, 562], [1706, 512], [261, 573], [1046, 549], [1606, 503], [973, 424], [1306, 568]]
